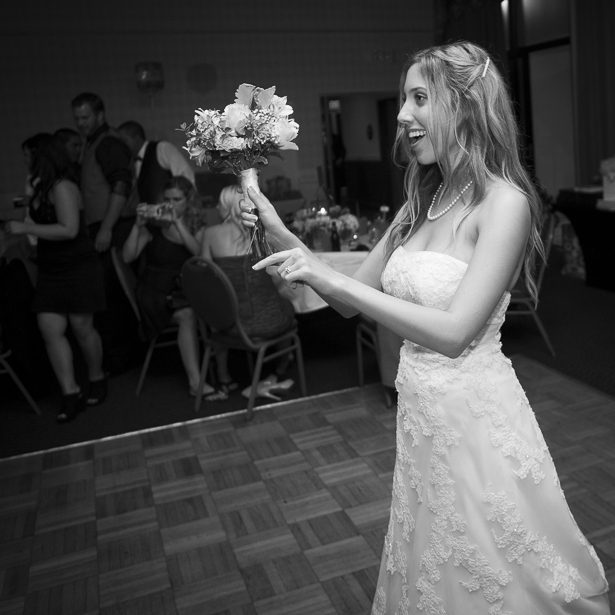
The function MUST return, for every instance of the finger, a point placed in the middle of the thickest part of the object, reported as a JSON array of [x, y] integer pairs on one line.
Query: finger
[[275, 259], [272, 270]]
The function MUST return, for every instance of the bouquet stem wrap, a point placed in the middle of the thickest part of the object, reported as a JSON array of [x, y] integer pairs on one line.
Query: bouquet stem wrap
[[259, 247]]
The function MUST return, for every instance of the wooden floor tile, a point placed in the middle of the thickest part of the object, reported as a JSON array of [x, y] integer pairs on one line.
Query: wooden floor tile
[[126, 583], [63, 541], [123, 501], [157, 603], [186, 536], [323, 530], [259, 517], [351, 594], [201, 563], [126, 551], [213, 595], [114, 527], [341, 557], [64, 569], [307, 506], [262, 547], [278, 576], [78, 597], [310, 600]]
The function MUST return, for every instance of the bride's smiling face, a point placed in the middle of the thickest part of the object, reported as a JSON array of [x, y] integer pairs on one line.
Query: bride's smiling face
[[418, 118]]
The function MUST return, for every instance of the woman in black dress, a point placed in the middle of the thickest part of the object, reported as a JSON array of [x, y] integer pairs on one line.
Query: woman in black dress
[[69, 287], [167, 244]]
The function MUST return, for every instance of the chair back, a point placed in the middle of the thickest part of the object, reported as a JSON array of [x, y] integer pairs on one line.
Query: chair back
[[547, 233], [127, 278], [211, 294]]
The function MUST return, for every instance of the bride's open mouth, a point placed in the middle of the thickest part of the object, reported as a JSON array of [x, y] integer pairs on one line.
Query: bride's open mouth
[[416, 135]]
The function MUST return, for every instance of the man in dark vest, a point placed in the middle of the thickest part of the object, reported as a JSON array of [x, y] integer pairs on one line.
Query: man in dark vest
[[109, 210], [155, 162]]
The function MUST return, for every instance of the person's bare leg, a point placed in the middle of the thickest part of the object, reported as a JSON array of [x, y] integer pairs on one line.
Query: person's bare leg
[[224, 377], [188, 342], [53, 330], [90, 343]]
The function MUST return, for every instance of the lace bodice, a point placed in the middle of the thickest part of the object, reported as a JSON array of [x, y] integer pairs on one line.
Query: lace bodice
[[431, 279]]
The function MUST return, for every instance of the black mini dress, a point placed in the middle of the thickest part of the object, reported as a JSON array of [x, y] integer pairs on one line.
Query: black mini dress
[[70, 273]]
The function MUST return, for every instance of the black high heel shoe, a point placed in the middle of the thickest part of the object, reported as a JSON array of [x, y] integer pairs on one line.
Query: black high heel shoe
[[98, 391], [72, 405]]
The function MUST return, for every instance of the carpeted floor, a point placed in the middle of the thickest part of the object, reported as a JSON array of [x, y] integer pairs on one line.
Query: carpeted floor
[[579, 320]]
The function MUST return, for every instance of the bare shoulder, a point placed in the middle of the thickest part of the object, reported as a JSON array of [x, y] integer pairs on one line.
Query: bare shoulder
[[64, 190], [65, 186], [210, 232], [505, 206]]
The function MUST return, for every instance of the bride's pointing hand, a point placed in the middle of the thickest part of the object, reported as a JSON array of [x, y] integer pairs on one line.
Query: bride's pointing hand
[[297, 266]]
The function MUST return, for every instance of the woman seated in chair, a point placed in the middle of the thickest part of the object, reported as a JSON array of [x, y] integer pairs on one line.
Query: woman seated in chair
[[263, 312], [167, 244]]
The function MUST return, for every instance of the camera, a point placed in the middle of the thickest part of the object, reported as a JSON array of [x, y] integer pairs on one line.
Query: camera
[[159, 213]]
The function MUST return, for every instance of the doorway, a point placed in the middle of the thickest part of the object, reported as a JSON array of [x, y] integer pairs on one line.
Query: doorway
[[358, 137]]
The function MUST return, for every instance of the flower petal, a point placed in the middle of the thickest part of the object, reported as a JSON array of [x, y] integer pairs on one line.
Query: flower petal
[[264, 97], [244, 94]]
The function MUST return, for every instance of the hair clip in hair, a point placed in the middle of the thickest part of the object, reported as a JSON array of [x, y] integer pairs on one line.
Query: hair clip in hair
[[485, 69]]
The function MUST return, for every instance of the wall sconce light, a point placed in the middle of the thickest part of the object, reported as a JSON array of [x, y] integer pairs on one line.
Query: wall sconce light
[[149, 78]]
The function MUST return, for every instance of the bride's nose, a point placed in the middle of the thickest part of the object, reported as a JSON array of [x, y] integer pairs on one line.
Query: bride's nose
[[405, 115]]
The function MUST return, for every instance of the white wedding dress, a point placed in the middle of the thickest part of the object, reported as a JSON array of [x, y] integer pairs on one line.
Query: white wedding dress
[[479, 523]]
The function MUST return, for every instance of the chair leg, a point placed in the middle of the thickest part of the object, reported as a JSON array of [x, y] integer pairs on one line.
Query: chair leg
[[255, 378], [250, 359], [148, 358], [202, 377], [387, 397], [300, 366], [20, 386], [543, 332], [360, 358]]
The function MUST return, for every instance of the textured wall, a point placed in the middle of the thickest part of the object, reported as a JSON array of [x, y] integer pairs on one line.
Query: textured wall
[[53, 51]]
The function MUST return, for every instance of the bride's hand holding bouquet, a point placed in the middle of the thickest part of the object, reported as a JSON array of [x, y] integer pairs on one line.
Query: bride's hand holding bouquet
[[294, 263], [256, 208]]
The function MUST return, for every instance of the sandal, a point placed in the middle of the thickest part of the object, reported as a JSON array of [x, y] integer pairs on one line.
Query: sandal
[[217, 395], [72, 405], [229, 387], [98, 391]]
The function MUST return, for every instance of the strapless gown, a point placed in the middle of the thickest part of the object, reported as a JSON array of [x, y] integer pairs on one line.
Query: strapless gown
[[479, 523]]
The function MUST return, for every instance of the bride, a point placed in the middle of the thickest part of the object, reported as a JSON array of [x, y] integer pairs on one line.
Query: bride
[[479, 523]]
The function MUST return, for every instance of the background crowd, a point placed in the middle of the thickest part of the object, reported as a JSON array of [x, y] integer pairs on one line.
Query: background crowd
[[81, 197]]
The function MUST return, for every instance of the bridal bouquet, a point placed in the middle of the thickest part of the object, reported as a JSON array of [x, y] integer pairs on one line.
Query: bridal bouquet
[[241, 138]]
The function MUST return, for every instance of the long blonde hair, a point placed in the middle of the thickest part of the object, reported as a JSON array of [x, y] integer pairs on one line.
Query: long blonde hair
[[229, 200], [463, 84]]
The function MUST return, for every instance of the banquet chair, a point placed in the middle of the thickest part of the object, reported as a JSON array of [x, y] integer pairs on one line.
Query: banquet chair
[[128, 281], [215, 303], [5, 368], [521, 302], [367, 336]]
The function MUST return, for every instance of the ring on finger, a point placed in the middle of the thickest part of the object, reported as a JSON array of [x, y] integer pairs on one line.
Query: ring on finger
[[287, 270]]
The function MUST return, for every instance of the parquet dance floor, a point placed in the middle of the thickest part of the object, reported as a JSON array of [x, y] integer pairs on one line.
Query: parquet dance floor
[[284, 515]]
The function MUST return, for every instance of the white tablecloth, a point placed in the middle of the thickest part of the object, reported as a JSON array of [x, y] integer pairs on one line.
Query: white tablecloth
[[303, 298]]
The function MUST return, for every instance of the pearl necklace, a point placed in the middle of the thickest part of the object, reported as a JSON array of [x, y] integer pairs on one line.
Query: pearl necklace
[[433, 202]]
